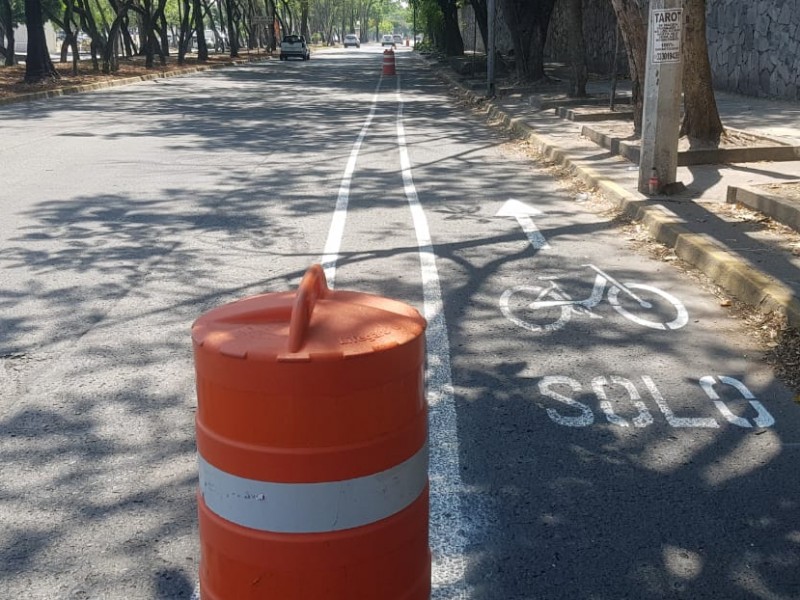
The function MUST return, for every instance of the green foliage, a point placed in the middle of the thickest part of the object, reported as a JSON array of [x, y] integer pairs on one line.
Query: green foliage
[[172, 13], [18, 11], [385, 26], [52, 7], [397, 14], [429, 15], [326, 17], [391, 16]]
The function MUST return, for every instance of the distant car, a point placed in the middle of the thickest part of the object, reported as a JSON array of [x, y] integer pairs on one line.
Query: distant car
[[294, 46], [387, 40], [215, 40], [398, 39], [351, 40]]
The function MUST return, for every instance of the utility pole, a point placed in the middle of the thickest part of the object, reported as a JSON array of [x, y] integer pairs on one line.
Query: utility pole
[[658, 161], [490, 51]]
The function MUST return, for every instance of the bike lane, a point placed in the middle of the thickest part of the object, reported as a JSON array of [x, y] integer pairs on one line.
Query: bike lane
[[379, 242], [619, 435]]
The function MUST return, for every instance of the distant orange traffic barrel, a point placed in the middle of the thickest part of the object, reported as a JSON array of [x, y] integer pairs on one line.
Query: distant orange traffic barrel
[[312, 442], [388, 62]]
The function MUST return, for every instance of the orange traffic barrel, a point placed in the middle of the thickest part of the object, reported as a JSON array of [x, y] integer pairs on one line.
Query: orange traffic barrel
[[312, 447], [388, 62]]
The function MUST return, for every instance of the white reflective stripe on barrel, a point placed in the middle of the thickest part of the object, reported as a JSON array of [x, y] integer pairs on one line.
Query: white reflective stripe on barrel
[[313, 507]]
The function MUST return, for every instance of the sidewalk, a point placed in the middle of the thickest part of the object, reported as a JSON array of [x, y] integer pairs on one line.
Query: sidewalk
[[752, 262]]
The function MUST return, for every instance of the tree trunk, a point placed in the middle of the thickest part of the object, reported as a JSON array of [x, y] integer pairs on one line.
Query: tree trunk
[[70, 37], [38, 66], [233, 32], [577, 48], [199, 28], [270, 28], [162, 28], [481, 10], [130, 44], [453, 43], [146, 33], [528, 23], [304, 9], [700, 117], [102, 42], [185, 33], [632, 18], [110, 63], [7, 17], [222, 24]]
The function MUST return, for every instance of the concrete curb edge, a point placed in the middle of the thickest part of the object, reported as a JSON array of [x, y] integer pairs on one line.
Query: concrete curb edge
[[772, 205], [89, 87]]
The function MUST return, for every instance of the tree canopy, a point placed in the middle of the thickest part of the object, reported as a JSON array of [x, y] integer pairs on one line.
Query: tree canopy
[[155, 28]]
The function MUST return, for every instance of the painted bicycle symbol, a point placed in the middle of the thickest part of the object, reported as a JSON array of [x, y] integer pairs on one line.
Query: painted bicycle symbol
[[548, 307]]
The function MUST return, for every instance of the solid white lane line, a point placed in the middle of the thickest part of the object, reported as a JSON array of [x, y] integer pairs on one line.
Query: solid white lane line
[[334, 242], [447, 524]]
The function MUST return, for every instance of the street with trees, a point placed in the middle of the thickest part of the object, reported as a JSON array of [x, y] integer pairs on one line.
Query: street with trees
[[154, 28], [529, 24]]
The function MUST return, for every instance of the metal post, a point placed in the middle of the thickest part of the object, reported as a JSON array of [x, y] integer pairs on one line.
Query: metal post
[[613, 94], [414, 23], [658, 162]]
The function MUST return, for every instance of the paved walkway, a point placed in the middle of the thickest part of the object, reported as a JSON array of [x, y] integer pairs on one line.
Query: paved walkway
[[750, 261]]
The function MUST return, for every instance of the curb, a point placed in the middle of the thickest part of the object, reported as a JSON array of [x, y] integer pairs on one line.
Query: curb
[[771, 205], [90, 87], [732, 273], [599, 114], [777, 152]]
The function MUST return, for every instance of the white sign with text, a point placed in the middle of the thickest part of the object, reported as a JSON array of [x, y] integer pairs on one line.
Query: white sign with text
[[667, 29]]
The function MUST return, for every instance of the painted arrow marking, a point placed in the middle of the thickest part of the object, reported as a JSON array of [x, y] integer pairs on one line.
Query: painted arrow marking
[[522, 213]]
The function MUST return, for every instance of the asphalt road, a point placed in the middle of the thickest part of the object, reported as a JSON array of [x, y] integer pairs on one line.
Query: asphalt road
[[599, 426]]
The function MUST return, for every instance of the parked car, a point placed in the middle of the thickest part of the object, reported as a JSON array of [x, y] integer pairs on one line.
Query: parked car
[[387, 40], [351, 40], [294, 46]]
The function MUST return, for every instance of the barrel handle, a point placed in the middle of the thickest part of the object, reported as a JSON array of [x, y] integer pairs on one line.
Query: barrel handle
[[312, 287]]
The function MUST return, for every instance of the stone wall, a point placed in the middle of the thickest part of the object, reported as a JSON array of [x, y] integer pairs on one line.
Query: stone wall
[[471, 34], [754, 46], [599, 31]]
